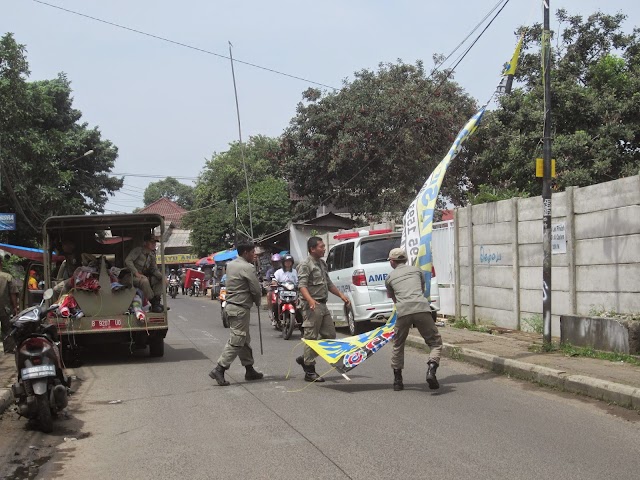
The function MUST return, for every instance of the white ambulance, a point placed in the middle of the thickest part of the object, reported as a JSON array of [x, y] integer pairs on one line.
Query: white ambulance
[[358, 266]]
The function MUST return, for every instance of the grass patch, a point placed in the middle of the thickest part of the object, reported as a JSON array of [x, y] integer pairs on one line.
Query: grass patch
[[589, 352], [462, 322], [533, 324]]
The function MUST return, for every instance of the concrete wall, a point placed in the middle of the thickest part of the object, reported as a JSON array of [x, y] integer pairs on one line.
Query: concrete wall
[[499, 255]]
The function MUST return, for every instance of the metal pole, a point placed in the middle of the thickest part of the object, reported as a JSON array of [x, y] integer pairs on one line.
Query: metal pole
[[235, 222], [246, 177], [546, 178], [244, 165]]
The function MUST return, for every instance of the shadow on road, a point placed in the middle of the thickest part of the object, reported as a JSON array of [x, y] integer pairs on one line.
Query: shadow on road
[[123, 354]]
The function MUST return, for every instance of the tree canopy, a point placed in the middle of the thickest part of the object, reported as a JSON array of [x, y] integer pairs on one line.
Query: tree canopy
[[169, 188], [371, 145], [595, 85], [222, 180], [42, 144]]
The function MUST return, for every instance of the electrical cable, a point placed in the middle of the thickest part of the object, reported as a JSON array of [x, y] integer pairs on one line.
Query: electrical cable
[[174, 42]]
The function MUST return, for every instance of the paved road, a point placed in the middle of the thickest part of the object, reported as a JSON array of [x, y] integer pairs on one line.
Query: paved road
[[173, 422]]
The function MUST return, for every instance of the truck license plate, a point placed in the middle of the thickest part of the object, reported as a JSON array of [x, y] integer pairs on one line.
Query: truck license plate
[[110, 324]]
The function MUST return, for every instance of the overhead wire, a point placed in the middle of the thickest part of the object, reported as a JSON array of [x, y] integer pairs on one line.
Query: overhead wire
[[185, 45]]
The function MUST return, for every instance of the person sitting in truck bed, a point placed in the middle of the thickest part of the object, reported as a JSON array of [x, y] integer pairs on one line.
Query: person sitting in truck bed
[[146, 275]]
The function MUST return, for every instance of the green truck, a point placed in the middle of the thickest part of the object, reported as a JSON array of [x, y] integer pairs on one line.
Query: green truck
[[105, 308]]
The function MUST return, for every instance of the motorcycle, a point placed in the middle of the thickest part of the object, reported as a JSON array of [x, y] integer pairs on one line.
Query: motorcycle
[[42, 388], [195, 288], [174, 283], [289, 316], [273, 297], [223, 303]]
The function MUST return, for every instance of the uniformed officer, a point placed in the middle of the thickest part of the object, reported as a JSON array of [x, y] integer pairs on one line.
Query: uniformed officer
[[314, 284], [146, 274], [8, 307], [406, 285], [243, 290]]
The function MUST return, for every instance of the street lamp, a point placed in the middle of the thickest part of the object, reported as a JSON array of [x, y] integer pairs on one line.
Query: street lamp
[[85, 154]]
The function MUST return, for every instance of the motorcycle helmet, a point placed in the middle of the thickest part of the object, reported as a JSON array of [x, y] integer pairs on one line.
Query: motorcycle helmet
[[276, 257], [288, 257]]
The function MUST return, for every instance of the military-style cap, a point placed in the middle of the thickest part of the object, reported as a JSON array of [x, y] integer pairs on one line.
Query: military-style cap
[[150, 237], [397, 254]]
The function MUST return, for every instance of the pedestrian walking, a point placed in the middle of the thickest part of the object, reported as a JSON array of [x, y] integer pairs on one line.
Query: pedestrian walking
[[8, 306], [406, 285], [314, 285], [243, 290]]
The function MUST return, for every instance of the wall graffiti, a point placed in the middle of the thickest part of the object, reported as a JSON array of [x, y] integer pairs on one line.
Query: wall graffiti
[[489, 257]]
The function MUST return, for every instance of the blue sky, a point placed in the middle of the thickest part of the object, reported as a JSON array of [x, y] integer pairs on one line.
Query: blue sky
[[167, 108]]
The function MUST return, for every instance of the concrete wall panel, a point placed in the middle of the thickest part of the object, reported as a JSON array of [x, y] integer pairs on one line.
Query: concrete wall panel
[[492, 255], [531, 255], [609, 250], [530, 209], [494, 212], [492, 233], [531, 278], [531, 301], [530, 232], [464, 256], [608, 278], [489, 297], [494, 276], [608, 223], [623, 302], [497, 317], [604, 196], [463, 236]]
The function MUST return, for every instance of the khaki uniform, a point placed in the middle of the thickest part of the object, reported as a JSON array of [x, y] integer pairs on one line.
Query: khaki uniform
[[142, 260], [318, 323], [243, 290], [7, 289], [406, 283]]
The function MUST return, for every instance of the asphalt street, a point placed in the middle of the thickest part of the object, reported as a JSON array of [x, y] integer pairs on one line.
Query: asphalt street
[[135, 417]]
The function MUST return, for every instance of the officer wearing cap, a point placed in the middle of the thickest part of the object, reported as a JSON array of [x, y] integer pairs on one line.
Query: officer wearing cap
[[146, 275], [406, 286], [314, 284], [243, 290]]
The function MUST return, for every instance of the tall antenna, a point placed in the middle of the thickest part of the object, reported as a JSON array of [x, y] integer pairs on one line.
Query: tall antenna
[[244, 164]]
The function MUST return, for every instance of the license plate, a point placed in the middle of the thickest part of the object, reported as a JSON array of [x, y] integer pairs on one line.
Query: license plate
[[109, 324], [38, 372]]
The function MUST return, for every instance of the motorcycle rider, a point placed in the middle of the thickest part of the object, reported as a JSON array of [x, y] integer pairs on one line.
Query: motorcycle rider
[[173, 276], [275, 265], [287, 273]]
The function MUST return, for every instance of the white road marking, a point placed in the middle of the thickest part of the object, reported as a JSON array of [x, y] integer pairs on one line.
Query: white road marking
[[182, 318]]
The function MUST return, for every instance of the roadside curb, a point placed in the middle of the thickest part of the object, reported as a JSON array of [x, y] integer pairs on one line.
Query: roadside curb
[[617, 393]]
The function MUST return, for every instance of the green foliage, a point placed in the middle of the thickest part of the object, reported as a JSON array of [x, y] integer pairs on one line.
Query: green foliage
[[222, 180], [384, 132], [589, 352], [487, 194], [172, 189], [41, 140], [595, 80], [533, 324], [463, 323]]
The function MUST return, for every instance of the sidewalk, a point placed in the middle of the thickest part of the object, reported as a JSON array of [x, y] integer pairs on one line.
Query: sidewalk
[[507, 351], [7, 376]]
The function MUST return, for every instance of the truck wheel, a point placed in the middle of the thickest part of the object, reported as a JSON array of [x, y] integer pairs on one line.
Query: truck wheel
[[156, 347], [44, 413]]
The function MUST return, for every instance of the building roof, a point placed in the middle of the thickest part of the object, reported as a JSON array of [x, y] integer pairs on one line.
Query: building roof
[[171, 211], [177, 238]]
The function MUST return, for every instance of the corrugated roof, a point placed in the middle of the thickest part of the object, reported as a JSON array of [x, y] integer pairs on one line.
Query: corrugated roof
[[178, 238]]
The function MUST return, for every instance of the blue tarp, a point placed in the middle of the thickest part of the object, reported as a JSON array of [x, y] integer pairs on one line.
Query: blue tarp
[[224, 256]]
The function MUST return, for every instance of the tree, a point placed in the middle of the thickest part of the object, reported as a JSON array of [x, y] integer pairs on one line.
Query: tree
[[169, 188], [371, 146], [42, 142], [595, 110], [223, 180]]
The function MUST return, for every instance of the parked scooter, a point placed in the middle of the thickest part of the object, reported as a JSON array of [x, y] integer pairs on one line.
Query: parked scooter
[[289, 316], [174, 283], [42, 388]]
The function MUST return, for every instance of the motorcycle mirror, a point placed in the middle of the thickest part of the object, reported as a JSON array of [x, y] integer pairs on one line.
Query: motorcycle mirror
[[48, 294]]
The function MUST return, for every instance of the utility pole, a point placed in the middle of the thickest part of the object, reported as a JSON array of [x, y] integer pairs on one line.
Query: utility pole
[[235, 222], [546, 178]]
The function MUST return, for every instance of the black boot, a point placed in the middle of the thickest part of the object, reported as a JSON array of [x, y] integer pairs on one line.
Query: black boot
[[252, 373], [300, 361], [218, 375], [311, 375], [431, 375], [156, 306], [397, 380]]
